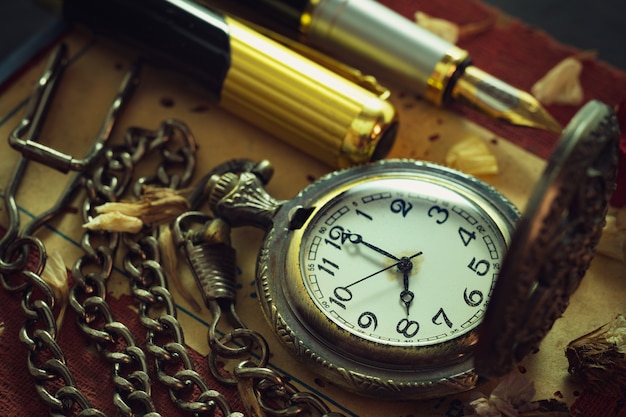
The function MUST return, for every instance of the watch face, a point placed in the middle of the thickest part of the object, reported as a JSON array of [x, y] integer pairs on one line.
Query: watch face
[[401, 261], [379, 276]]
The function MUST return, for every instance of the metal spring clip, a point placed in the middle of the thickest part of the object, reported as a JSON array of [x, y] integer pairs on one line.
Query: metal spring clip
[[24, 138]]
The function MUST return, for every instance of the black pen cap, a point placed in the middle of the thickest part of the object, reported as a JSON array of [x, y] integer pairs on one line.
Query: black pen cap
[[263, 82]]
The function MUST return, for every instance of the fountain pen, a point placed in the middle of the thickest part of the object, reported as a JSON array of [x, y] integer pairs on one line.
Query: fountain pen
[[259, 80], [374, 39]]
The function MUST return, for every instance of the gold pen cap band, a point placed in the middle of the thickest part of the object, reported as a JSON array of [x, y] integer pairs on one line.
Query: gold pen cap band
[[303, 103], [444, 71]]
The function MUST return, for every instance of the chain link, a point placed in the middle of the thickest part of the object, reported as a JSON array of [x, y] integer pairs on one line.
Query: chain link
[[105, 175], [23, 259], [114, 341], [206, 243], [157, 312]]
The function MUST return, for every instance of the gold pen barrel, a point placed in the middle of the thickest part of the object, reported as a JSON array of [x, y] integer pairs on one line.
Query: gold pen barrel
[[304, 104]]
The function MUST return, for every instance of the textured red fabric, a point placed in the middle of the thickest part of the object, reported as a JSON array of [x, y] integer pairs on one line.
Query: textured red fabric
[[593, 405], [93, 374]]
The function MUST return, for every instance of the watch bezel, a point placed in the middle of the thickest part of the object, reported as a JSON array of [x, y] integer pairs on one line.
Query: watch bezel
[[407, 373]]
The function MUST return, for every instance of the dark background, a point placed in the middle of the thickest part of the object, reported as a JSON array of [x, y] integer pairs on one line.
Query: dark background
[[598, 25], [19, 19]]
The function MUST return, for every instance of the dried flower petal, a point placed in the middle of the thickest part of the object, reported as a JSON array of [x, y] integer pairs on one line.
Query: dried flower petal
[[598, 360], [617, 333], [157, 206], [55, 275], [475, 28], [473, 157], [560, 85], [450, 31], [511, 397], [170, 264], [483, 408], [115, 222], [443, 28]]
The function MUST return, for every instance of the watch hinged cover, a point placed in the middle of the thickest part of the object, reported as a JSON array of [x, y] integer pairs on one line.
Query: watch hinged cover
[[554, 241]]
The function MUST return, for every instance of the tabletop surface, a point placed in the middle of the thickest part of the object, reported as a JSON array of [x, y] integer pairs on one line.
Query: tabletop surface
[[85, 93]]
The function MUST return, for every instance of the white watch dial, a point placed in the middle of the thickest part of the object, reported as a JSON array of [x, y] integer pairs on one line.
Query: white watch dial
[[401, 261]]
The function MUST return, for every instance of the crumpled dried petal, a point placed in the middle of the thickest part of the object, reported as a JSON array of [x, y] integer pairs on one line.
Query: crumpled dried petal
[[473, 157], [115, 222], [170, 264], [450, 31], [443, 28], [483, 408], [616, 333], [514, 395], [560, 85], [157, 206], [55, 275], [598, 359], [511, 397]]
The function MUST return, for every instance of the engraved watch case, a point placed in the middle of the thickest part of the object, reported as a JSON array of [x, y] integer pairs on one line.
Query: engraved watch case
[[548, 251]]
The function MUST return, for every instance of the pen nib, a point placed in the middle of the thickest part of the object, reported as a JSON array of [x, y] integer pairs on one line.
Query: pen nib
[[497, 99]]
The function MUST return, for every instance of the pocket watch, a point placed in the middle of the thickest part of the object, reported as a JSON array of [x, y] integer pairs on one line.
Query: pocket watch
[[407, 279]]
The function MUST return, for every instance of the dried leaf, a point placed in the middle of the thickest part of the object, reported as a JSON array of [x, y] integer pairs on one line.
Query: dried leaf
[[560, 85], [598, 360], [55, 275], [473, 157]]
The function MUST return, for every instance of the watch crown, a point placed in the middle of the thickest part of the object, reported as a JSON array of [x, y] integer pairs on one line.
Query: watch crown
[[241, 199], [219, 186]]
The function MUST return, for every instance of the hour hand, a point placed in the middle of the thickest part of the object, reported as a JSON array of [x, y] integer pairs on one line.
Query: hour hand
[[358, 239], [406, 296]]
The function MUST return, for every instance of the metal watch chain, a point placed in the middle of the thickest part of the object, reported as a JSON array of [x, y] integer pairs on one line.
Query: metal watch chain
[[105, 174]]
